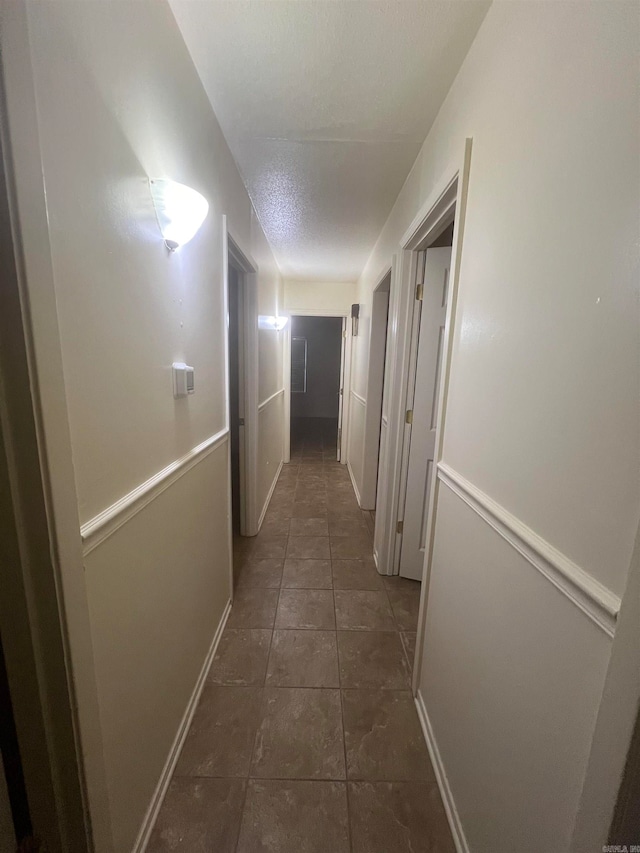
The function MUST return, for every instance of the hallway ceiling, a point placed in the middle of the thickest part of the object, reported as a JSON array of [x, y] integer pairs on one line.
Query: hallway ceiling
[[325, 106]]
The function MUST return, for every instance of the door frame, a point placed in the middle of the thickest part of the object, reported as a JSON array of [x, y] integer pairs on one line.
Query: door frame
[[378, 357], [345, 376], [449, 196], [247, 270], [51, 648]]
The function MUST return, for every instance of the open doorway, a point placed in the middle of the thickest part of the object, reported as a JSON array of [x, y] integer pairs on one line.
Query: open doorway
[[242, 361], [427, 341], [375, 422], [421, 315], [317, 366], [236, 395]]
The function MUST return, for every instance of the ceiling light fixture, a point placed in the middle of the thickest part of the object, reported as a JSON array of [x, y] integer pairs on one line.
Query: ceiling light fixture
[[180, 211], [267, 322]]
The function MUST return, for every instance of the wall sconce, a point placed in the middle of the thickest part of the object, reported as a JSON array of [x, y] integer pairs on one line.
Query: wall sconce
[[180, 211], [273, 323], [355, 316]]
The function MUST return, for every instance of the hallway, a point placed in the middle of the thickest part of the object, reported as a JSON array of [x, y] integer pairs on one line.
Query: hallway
[[306, 738]]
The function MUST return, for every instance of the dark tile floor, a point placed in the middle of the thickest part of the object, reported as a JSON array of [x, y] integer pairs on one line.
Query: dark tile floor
[[306, 738]]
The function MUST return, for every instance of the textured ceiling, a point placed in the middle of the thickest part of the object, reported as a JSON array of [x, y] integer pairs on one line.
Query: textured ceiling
[[325, 106]]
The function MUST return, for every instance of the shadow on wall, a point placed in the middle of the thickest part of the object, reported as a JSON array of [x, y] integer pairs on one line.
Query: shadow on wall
[[323, 335]]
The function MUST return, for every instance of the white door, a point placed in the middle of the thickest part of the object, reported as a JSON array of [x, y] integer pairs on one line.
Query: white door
[[433, 309]]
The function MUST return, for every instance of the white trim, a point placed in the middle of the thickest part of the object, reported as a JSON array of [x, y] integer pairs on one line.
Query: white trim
[[269, 496], [238, 256], [433, 214], [270, 399], [165, 777], [359, 398], [461, 191], [595, 600], [101, 526], [353, 481], [455, 824]]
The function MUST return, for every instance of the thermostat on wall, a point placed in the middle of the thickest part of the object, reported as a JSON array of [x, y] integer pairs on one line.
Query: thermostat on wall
[[183, 382]]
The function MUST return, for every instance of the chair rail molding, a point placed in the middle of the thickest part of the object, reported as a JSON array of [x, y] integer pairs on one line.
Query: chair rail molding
[[270, 399], [600, 604], [103, 525]]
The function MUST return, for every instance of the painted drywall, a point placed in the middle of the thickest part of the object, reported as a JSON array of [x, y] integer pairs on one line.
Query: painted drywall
[[324, 348], [312, 297], [543, 402], [156, 601], [119, 101]]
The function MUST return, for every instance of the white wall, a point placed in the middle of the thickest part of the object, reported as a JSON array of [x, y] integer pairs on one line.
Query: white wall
[[118, 101], [314, 297], [543, 404]]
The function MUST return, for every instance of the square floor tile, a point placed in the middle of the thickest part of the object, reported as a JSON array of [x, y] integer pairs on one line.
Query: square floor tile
[[241, 657], [295, 817], [349, 525], [383, 737], [345, 513], [344, 503], [309, 548], [307, 574], [401, 816], [372, 659], [356, 574], [253, 608], [405, 603], [353, 547], [263, 545], [222, 732], [278, 513], [198, 816], [274, 525], [363, 610], [306, 608], [303, 659], [260, 572], [309, 527], [309, 508], [300, 735]]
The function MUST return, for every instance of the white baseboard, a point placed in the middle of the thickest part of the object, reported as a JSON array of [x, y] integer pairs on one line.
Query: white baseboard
[[441, 777], [269, 496], [174, 753], [353, 483]]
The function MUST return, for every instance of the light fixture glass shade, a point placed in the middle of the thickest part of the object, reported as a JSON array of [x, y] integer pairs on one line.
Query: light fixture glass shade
[[180, 211], [268, 322]]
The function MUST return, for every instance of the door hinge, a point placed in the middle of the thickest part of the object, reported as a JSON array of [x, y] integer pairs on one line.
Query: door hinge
[[344, 334], [399, 526], [408, 418], [240, 421], [341, 392], [419, 292]]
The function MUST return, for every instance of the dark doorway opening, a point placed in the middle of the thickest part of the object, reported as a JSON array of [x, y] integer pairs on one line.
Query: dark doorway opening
[[236, 374], [316, 367]]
